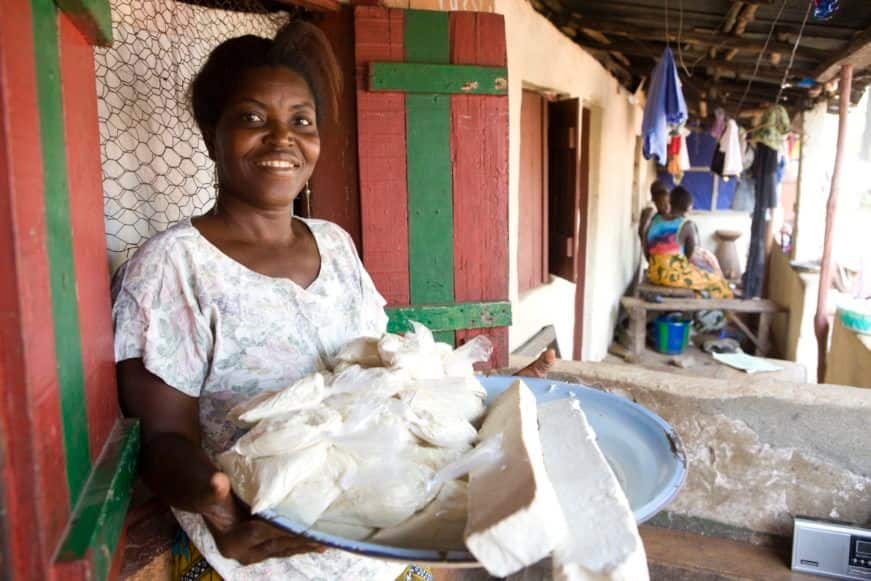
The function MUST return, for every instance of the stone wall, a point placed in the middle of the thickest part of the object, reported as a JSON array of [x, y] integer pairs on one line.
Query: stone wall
[[759, 451]]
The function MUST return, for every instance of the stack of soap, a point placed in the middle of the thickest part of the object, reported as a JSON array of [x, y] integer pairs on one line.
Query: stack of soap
[[603, 541], [514, 516], [553, 494]]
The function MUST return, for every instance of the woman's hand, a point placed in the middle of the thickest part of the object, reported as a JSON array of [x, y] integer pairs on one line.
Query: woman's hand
[[541, 366], [241, 537], [175, 466]]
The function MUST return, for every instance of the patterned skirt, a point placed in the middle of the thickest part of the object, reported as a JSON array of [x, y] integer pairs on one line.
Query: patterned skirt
[[189, 565], [676, 271]]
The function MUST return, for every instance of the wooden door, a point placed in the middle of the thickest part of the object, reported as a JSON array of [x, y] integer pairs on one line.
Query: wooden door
[[582, 205], [432, 121], [563, 186], [532, 263], [66, 456]]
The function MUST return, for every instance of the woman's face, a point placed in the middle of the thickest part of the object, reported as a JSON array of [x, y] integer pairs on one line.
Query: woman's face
[[661, 202], [266, 142]]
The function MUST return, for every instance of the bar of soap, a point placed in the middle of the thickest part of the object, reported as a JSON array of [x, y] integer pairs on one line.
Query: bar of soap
[[514, 516], [603, 543]]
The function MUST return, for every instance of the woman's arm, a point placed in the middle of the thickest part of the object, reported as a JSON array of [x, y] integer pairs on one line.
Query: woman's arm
[[174, 465], [689, 238], [643, 225]]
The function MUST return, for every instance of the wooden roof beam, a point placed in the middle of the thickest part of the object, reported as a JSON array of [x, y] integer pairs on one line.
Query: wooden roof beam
[[712, 39], [639, 48], [748, 14], [732, 16], [857, 53]]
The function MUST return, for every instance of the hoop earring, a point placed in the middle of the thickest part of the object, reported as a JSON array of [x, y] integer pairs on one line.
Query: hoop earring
[[308, 200]]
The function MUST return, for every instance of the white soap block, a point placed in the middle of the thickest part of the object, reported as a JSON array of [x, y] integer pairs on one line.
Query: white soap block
[[603, 543], [514, 516], [438, 526]]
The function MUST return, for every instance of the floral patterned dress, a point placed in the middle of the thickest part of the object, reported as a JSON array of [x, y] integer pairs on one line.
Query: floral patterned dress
[[218, 331]]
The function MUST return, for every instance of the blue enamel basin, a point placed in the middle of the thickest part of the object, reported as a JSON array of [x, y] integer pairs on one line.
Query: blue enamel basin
[[642, 449]]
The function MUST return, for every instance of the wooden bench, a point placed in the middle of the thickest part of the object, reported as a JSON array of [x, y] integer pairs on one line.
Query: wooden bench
[[638, 309]]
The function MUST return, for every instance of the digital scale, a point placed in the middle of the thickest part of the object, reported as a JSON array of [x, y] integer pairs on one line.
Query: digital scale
[[831, 548]]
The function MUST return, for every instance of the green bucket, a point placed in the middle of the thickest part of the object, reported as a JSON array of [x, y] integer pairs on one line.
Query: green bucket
[[671, 334]]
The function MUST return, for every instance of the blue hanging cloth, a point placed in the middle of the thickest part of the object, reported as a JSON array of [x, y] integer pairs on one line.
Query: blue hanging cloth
[[825, 9], [665, 109]]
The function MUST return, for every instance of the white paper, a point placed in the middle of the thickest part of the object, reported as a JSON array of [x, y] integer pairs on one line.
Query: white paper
[[745, 362]]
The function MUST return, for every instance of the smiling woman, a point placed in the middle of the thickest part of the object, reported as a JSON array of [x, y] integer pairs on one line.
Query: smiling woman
[[243, 299]]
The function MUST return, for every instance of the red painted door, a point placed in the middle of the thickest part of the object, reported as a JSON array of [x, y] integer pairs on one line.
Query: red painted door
[[67, 458], [434, 168], [532, 267]]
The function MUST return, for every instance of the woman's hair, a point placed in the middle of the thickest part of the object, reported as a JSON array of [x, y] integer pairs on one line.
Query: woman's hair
[[298, 46], [680, 200], [658, 188]]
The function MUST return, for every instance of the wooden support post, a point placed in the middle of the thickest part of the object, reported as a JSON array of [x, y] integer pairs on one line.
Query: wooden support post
[[637, 332], [763, 347], [821, 321]]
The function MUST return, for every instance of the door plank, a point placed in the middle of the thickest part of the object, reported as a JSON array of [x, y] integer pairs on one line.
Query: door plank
[[381, 148], [479, 148]]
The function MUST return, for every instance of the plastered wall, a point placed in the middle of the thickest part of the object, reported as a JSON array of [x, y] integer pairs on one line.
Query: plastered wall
[[539, 55]]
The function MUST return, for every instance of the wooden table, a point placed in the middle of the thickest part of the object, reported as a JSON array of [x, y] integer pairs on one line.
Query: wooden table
[[638, 309]]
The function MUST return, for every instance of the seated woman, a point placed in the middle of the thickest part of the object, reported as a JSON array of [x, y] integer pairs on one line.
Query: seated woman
[[670, 240], [659, 196]]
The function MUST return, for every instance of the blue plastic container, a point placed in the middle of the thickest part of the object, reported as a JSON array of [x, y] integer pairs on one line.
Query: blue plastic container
[[671, 334]]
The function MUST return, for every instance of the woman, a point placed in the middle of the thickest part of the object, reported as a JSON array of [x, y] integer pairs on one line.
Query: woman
[[246, 298], [659, 196], [670, 240]]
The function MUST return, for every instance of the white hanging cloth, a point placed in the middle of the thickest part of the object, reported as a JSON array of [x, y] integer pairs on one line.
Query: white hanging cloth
[[684, 155], [730, 145]]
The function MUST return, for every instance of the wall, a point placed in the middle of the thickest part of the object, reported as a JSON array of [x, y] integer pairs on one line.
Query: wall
[[849, 361], [541, 56], [758, 450], [819, 138], [710, 222]]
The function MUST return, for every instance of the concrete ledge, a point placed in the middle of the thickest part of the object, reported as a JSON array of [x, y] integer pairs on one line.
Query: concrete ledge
[[759, 451]]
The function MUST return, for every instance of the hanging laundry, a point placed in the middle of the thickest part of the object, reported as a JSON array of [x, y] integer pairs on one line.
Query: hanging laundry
[[765, 173], [719, 125], [684, 154], [665, 109], [673, 164], [678, 156], [773, 128], [730, 145], [825, 9]]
